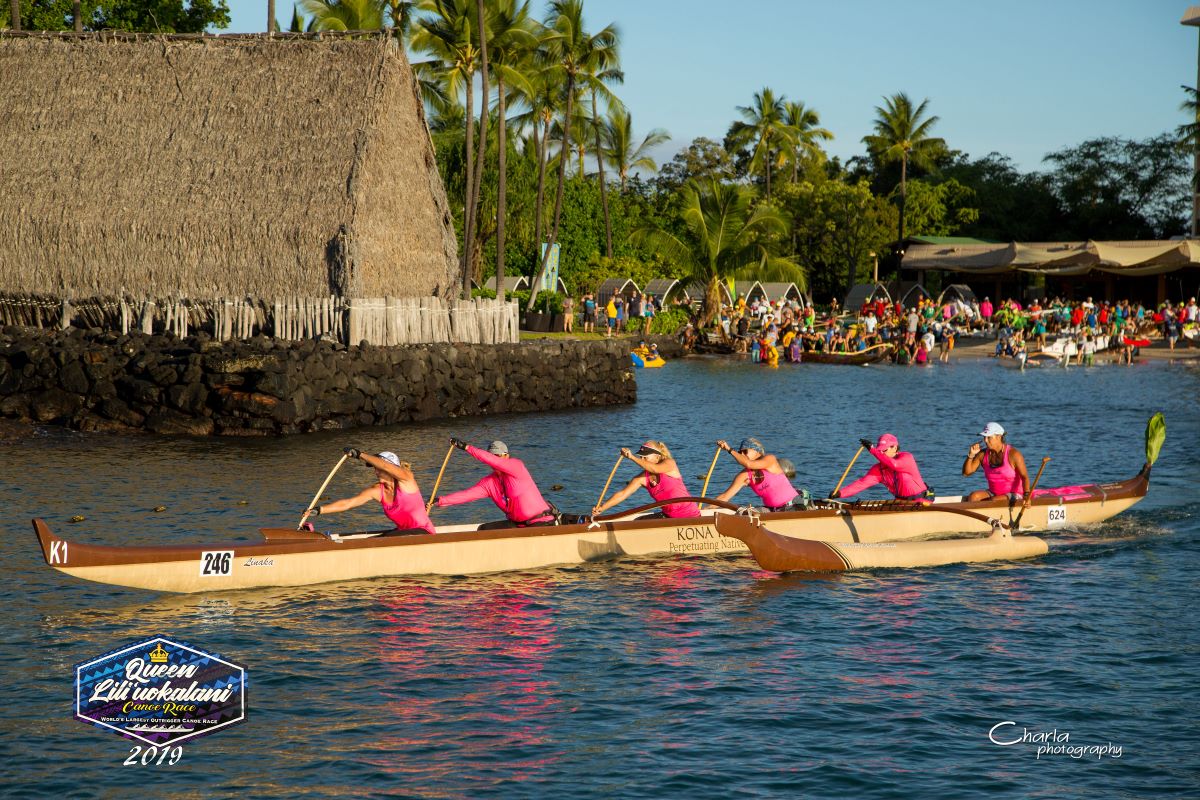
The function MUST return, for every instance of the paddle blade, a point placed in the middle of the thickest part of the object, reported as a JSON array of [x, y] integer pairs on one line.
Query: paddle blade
[[1156, 433]]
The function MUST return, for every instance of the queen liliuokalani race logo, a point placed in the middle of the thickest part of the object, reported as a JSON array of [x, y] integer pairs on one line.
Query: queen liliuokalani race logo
[[160, 692]]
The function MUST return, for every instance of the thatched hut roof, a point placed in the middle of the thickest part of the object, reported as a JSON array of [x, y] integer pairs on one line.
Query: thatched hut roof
[[217, 166]]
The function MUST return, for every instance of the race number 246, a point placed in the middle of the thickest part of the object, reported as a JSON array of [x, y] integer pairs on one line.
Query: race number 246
[[216, 563]]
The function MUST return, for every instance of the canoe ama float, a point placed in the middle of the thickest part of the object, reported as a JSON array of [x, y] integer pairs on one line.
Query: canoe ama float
[[287, 557], [787, 554]]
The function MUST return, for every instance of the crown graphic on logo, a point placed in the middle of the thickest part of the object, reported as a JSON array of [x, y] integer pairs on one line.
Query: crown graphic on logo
[[158, 655]]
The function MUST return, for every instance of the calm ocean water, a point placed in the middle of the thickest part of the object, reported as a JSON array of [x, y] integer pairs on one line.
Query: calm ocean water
[[675, 678]]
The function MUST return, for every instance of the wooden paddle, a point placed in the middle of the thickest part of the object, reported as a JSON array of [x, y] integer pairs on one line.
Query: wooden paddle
[[317, 498], [438, 482], [849, 467], [607, 483], [716, 455], [1017, 523]]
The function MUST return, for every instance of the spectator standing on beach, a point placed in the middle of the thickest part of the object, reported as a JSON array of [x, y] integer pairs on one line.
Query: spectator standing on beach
[[619, 303], [610, 315], [635, 306]]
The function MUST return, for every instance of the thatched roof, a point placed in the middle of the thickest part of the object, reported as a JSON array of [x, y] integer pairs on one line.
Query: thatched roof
[[206, 167]]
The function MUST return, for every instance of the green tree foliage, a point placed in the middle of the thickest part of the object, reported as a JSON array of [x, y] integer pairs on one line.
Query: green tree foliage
[[940, 209], [722, 237], [835, 228], [1013, 205], [701, 160], [1113, 188], [344, 15], [622, 149], [154, 16], [902, 134], [763, 132]]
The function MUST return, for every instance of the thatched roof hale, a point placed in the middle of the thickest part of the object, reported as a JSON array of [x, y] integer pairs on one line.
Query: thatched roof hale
[[205, 167]]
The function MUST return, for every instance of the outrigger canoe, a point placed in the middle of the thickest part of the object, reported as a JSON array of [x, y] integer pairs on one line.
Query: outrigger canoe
[[288, 557], [871, 355]]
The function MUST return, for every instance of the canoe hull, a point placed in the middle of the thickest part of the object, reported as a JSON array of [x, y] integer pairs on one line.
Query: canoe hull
[[290, 558], [853, 359]]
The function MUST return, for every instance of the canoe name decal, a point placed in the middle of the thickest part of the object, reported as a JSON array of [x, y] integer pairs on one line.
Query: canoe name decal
[[701, 539]]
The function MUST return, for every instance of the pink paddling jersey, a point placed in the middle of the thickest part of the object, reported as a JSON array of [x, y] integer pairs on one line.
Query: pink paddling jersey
[[668, 487], [1002, 479], [774, 488], [407, 510], [900, 475], [510, 487]]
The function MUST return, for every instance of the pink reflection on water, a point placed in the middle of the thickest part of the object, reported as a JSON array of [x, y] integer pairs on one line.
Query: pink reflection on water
[[491, 636]]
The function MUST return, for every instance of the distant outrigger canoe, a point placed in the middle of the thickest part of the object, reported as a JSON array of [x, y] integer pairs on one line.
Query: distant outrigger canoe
[[288, 557], [871, 355]]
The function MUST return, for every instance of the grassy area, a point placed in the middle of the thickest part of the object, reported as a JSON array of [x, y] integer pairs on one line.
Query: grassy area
[[532, 335]]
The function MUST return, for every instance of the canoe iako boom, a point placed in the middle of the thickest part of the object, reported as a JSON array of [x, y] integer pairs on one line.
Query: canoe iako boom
[[287, 557]]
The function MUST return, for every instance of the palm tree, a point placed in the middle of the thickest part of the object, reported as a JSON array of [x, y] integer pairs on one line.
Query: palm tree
[[569, 51], [448, 33], [14, 14], [902, 134], [475, 183], [512, 42], [722, 237], [762, 127], [399, 15], [619, 147], [601, 68], [543, 98], [343, 15], [805, 131]]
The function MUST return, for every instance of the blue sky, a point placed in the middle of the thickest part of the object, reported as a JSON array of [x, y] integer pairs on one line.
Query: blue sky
[[1019, 77]]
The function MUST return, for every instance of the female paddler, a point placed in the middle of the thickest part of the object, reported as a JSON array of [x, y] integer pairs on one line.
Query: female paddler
[[510, 487], [660, 477], [897, 471], [1003, 466], [763, 473], [396, 491]]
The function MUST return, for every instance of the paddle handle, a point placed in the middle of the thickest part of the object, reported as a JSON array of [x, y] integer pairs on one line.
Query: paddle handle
[[704, 489], [849, 467], [438, 482], [608, 482], [1038, 477], [317, 497]]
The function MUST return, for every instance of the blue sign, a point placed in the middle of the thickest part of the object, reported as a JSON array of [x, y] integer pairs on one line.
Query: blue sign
[[550, 276]]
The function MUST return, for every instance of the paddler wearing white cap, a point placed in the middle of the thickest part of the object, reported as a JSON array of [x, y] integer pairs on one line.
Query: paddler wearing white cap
[[396, 490], [766, 475], [1003, 466]]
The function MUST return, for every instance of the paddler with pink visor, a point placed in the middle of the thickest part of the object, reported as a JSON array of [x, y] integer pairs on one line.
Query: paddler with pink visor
[[896, 470]]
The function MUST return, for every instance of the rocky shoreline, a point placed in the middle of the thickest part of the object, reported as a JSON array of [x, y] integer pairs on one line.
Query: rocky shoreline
[[102, 381]]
